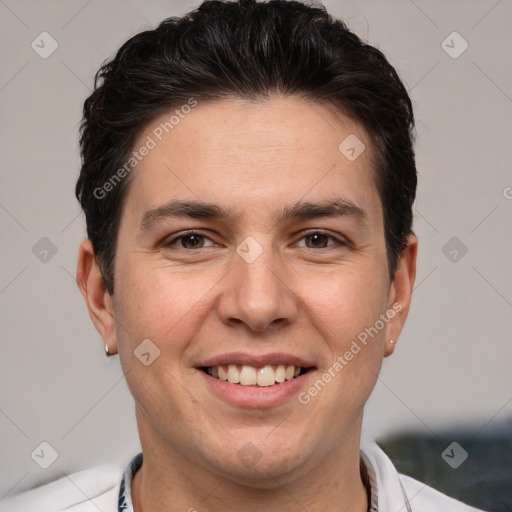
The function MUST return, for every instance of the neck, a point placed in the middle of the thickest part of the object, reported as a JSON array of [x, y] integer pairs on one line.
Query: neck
[[168, 478]]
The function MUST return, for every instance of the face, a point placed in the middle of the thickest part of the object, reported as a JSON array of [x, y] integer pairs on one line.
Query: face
[[249, 238]]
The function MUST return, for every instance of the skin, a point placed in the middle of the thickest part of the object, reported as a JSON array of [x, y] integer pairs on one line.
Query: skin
[[296, 297]]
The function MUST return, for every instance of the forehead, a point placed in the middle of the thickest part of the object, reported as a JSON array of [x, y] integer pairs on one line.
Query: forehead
[[254, 156]]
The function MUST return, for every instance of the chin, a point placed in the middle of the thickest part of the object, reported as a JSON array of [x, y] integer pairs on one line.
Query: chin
[[259, 461], [268, 473]]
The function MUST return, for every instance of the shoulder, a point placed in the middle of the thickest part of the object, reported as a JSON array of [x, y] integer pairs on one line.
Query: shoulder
[[424, 498], [76, 492], [400, 492]]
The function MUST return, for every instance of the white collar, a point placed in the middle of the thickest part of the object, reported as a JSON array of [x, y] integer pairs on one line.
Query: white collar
[[377, 465]]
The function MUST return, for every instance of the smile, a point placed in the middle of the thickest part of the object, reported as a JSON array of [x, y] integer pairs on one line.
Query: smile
[[264, 376]]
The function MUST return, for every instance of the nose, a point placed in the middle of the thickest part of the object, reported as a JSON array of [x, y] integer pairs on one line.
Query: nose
[[258, 295]]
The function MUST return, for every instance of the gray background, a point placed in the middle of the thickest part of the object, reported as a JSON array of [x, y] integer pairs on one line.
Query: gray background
[[452, 364]]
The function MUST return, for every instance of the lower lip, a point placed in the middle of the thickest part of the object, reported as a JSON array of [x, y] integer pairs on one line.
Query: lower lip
[[256, 397]]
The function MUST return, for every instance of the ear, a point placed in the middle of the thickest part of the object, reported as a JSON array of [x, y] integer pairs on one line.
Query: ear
[[400, 293], [97, 299]]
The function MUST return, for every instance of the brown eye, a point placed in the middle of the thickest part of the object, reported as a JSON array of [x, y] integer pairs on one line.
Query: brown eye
[[320, 240], [190, 241], [317, 240]]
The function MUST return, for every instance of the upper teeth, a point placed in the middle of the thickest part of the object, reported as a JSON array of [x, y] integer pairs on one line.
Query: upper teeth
[[250, 376]]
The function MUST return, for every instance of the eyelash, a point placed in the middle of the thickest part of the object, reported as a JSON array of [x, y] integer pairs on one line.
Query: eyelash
[[337, 241]]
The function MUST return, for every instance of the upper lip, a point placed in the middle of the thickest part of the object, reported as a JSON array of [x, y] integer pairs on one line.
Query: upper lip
[[256, 360]]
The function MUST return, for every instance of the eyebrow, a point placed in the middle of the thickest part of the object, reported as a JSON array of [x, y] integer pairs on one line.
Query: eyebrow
[[338, 207]]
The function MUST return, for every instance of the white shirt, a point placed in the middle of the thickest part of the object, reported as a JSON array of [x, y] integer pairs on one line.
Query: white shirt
[[101, 486]]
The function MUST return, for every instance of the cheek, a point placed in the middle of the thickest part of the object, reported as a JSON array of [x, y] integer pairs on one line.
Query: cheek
[[344, 303], [346, 311], [159, 303]]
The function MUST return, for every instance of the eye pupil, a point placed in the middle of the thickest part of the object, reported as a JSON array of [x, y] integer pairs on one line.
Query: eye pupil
[[196, 239], [318, 239]]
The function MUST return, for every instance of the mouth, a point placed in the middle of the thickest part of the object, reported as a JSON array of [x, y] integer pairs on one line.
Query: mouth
[[261, 376]]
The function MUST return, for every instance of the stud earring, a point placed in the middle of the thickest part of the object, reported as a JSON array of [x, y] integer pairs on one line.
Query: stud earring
[[392, 341]]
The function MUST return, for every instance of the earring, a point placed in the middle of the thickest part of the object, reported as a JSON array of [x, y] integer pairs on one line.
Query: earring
[[107, 353], [392, 341]]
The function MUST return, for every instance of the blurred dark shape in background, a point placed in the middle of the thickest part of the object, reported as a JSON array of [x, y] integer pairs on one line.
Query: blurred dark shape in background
[[482, 480]]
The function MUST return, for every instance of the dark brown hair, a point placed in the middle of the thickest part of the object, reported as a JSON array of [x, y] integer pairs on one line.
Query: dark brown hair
[[250, 50]]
